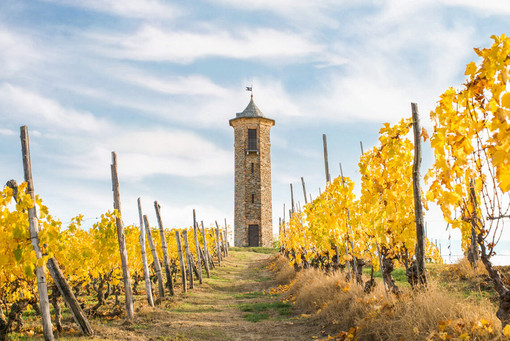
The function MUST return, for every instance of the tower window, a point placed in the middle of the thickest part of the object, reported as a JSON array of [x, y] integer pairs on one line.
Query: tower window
[[252, 139], [253, 198], [252, 168]]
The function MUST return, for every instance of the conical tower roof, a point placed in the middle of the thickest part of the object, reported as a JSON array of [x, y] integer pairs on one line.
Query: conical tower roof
[[251, 111]]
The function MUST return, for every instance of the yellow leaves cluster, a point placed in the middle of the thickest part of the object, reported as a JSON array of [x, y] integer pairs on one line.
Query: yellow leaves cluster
[[461, 329], [18, 260], [383, 216], [84, 254], [471, 136]]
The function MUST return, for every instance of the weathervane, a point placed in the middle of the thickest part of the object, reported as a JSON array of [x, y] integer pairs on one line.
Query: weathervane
[[250, 88]]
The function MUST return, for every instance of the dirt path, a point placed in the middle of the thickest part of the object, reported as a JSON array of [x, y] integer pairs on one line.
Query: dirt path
[[224, 307]]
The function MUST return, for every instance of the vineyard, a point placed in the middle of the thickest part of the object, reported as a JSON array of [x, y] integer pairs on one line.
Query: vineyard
[[334, 236], [88, 259], [469, 181]]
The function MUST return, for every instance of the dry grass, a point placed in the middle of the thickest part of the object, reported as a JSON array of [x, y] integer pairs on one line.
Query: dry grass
[[465, 270], [286, 272], [433, 313]]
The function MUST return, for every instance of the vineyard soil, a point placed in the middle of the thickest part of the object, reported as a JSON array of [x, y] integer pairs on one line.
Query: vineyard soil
[[233, 304]]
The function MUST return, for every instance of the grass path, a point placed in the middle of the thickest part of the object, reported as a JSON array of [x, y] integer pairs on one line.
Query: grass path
[[230, 305]]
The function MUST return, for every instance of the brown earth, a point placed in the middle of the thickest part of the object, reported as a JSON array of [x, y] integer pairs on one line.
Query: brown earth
[[213, 310]]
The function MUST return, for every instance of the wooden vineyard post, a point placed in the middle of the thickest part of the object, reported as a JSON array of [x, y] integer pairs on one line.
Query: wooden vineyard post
[[33, 226], [291, 201], [197, 246], [68, 295], [52, 264], [304, 189], [218, 247], [473, 248], [155, 258], [226, 238], [224, 242], [205, 251], [326, 164], [122, 242], [188, 258], [418, 209], [146, 274], [164, 247], [181, 260]]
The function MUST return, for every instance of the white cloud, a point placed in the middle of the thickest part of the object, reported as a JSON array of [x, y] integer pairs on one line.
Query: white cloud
[[145, 153], [276, 101], [7, 132], [17, 53], [486, 7], [154, 44], [299, 13], [149, 9], [190, 85], [21, 106], [400, 57]]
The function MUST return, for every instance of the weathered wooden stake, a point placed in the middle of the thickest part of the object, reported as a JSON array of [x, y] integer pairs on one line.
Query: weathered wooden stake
[[326, 164], [206, 251], [146, 274], [122, 242], [292, 200], [155, 257], [69, 298], [473, 248], [226, 238], [304, 189], [52, 264], [164, 247], [218, 246], [418, 209], [224, 242], [197, 247], [181, 260], [189, 258], [33, 226]]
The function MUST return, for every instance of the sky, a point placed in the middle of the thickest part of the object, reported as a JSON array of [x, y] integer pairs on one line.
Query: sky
[[157, 81]]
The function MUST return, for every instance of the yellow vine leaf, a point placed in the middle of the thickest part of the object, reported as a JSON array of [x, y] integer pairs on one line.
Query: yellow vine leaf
[[506, 330], [505, 100], [470, 69]]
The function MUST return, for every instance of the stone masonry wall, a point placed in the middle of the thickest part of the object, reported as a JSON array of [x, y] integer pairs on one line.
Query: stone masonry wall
[[258, 183]]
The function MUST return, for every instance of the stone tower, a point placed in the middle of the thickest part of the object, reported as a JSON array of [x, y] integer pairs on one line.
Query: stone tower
[[253, 217]]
